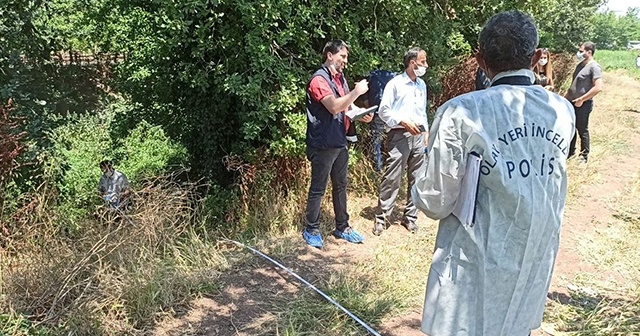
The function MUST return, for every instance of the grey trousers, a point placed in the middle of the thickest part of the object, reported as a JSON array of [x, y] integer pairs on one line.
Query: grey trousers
[[325, 163], [405, 151]]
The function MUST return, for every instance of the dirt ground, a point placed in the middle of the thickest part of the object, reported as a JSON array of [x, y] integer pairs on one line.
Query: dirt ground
[[244, 304]]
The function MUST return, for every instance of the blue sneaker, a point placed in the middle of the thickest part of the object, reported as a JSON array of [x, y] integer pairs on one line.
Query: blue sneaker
[[349, 235], [312, 239]]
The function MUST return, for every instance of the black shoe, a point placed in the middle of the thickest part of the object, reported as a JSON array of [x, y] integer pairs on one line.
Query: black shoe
[[378, 228], [411, 226]]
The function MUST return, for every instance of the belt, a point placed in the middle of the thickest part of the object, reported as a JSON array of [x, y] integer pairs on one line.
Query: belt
[[397, 129]]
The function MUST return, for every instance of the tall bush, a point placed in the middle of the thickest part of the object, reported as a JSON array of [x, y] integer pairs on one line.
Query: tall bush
[[229, 77], [614, 32], [85, 140], [11, 145]]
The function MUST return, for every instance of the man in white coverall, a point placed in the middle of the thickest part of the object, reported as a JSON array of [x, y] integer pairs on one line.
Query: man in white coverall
[[491, 277]]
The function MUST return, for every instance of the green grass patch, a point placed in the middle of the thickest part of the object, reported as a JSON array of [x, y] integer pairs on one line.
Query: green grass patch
[[387, 285], [619, 59], [585, 312], [18, 325], [368, 298]]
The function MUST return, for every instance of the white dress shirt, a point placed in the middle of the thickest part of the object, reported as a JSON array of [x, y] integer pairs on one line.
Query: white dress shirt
[[404, 99]]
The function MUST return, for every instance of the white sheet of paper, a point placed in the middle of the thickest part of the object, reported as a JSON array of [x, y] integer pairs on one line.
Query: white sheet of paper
[[464, 208], [357, 113]]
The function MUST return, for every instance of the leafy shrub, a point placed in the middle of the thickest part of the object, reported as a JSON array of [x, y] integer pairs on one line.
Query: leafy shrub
[[117, 277], [147, 151], [78, 147], [84, 140], [18, 325], [291, 143], [11, 145]]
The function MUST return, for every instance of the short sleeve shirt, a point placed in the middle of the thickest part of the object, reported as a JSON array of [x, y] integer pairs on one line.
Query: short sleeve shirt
[[583, 79], [319, 88]]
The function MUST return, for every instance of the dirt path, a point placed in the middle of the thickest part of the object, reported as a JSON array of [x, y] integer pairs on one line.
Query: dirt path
[[251, 292], [609, 171]]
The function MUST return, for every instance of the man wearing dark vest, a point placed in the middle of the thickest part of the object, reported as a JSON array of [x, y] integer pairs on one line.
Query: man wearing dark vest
[[328, 98]]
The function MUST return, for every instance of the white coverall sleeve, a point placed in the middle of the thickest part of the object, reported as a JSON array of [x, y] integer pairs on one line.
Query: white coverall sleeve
[[436, 192], [385, 110]]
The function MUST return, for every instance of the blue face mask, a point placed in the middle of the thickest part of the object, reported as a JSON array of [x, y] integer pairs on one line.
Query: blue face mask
[[580, 56]]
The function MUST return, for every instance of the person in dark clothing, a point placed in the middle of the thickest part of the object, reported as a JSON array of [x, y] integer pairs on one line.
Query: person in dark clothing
[[587, 82], [544, 71], [378, 79], [482, 81]]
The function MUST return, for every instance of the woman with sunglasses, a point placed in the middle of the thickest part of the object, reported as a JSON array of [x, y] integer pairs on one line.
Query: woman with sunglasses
[[544, 71]]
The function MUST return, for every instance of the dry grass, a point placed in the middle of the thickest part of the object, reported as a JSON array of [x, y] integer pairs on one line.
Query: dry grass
[[381, 279], [374, 290], [609, 306], [117, 275], [607, 303], [395, 277]]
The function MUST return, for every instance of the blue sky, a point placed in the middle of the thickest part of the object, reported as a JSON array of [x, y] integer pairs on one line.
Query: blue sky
[[620, 6]]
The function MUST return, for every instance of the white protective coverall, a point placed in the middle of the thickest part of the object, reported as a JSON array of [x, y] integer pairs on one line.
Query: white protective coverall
[[492, 278]]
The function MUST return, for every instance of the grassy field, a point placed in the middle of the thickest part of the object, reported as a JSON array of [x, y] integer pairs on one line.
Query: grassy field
[[619, 59], [142, 279], [604, 294], [594, 304], [383, 280]]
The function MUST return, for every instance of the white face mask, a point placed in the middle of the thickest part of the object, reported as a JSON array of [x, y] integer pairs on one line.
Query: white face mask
[[420, 71], [580, 56], [109, 173], [543, 61]]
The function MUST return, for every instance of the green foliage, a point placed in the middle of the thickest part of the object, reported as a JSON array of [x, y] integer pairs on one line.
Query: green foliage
[[78, 147], [222, 90], [613, 32], [563, 24], [217, 204], [228, 77], [147, 151], [18, 325], [85, 140], [619, 59], [291, 142], [31, 33]]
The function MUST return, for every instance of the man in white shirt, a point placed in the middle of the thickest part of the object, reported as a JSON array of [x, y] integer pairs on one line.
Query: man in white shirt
[[113, 186], [491, 276], [403, 109]]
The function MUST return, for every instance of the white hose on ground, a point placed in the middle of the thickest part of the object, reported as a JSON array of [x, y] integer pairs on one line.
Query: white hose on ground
[[327, 297]]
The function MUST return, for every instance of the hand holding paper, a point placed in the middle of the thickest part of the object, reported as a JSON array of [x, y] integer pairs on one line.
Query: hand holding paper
[[358, 113]]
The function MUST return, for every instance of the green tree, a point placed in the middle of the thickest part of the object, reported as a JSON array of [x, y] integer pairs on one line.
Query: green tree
[[613, 32], [228, 76], [564, 23]]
